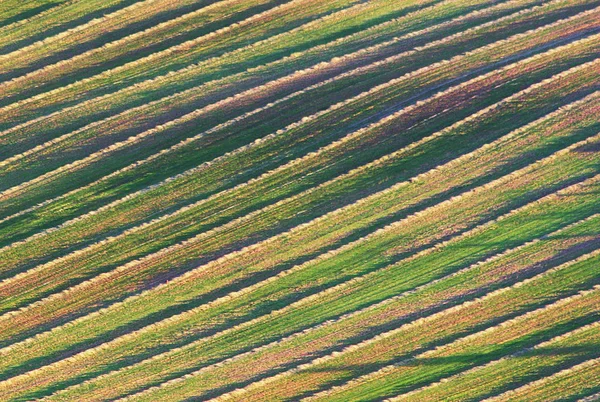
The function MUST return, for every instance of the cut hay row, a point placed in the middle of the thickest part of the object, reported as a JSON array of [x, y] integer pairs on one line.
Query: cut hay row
[[391, 201], [572, 339], [546, 91], [510, 371], [180, 17], [181, 100], [291, 18], [590, 398], [12, 286], [131, 119], [149, 169], [90, 138], [82, 139], [136, 120], [473, 322], [580, 381], [135, 43], [68, 14], [19, 351], [467, 352], [232, 339], [204, 71], [526, 259], [276, 200], [382, 34], [19, 11]]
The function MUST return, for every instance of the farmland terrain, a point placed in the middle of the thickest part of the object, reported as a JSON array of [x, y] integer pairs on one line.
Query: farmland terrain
[[285, 200]]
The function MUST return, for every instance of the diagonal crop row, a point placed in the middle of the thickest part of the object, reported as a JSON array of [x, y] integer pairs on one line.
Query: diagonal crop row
[[90, 138], [141, 26], [188, 150], [13, 287], [480, 320], [52, 21], [510, 371], [383, 34], [392, 202], [189, 187], [13, 12], [226, 64], [299, 200], [85, 141], [348, 252], [296, 18], [231, 339], [529, 258], [131, 119], [472, 350], [580, 381]]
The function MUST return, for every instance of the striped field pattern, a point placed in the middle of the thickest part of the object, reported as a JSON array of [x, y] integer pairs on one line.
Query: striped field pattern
[[285, 200]]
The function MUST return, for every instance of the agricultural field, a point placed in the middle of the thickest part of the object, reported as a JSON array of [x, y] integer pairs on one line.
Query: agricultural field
[[300, 200]]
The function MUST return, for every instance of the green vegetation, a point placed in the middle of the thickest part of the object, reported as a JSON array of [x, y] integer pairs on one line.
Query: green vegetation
[[280, 200]]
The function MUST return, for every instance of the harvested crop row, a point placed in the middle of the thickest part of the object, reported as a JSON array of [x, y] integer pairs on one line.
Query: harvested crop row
[[364, 56], [300, 200], [187, 79], [418, 225], [51, 21], [300, 17], [157, 21], [82, 142], [579, 381], [190, 151], [468, 282], [488, 337], [217, 67], [91, 138], [231, 339], [19, 11], [147, 116], [166, 227], [508, 372], [190, 184], [401, 199]]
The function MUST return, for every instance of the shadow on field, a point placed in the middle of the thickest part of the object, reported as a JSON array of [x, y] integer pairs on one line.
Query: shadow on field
[[31, 39], [373, 331], [141, 51], [589, 148], [273, 305], [27, 14], [238, 67], [451, 364]]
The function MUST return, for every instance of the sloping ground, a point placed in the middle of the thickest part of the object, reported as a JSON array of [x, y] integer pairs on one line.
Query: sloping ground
[[282, 200]]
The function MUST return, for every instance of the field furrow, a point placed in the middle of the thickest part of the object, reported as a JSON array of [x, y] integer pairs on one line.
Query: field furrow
[[11, 287], [309, 343], [299, 200], [334, 261], [581, 381], [473, 323], [25, 166]]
